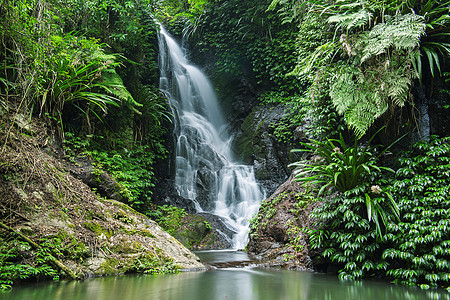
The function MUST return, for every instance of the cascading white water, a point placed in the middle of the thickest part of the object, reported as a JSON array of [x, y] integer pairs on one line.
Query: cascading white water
[[203, 156]]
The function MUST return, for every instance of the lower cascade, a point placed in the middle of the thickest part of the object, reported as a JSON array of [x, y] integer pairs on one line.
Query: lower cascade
[[206, 171]]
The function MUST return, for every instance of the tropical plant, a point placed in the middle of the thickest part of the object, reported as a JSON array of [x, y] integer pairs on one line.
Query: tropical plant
[[82, 75], [375, 53], [345, 169], [336, 165], [168, 217], [415, 249], [154, 112], [419, 245], [14, 266], [346, 237]]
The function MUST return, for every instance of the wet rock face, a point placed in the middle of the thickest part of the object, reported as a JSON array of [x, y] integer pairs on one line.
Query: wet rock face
[[276, 231], [256, 144]]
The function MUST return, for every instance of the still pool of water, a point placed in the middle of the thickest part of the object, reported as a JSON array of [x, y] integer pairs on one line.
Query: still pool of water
[[233, 278]]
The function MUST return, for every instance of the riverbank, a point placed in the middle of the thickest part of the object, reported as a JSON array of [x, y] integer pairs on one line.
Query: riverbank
[[55, 223]]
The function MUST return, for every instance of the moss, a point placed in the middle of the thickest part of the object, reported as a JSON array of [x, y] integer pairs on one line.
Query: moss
[[110, 266], [123, 206], [146, 233], [123, 217], [195, 231], [98, 229], [89, 215], [152, 263], [265, 213], [127, 247]]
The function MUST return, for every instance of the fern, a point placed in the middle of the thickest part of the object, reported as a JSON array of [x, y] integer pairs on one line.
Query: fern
[[362, 96], [352, 20], [321, 56], [399, 32], [398, 88], [290, 9], [354, 96]]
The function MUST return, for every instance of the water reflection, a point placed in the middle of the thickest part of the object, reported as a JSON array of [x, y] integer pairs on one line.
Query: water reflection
[[226, 283], [234, 283]]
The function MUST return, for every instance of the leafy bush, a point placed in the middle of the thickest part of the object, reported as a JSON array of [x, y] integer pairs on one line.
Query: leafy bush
[[16, 266], [337, 165], [168, 217], [371, 64], [347, 237], [414, 250], [347, 234], [419, 246]]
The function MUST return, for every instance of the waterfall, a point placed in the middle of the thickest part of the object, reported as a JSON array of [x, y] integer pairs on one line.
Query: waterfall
[[206, 171]]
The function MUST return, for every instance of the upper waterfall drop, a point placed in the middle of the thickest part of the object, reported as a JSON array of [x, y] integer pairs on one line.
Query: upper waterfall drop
[[206, 171]]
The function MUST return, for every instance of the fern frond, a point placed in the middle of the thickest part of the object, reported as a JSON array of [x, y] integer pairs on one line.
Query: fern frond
[[349, 21], [398, 90], [399, 32], [359, 120], [362, 97], [320, 57], [289, 9]]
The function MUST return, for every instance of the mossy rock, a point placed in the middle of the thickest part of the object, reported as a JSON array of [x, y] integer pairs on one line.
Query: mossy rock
[[98, 229], [192, 231]]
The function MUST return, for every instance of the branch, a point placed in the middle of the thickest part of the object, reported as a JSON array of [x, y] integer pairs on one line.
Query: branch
[[53, 259]]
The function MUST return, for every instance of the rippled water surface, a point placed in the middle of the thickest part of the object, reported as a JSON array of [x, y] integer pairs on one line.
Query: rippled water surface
[[234, 277]]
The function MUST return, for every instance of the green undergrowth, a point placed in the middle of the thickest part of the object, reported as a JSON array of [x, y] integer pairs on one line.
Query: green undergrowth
[[168, 217], [413, 249], [150, 263], [16, 267], [130, 164], [19, 262]]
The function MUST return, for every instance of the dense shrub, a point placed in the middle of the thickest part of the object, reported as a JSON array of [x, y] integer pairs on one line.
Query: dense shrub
[[414, 249]]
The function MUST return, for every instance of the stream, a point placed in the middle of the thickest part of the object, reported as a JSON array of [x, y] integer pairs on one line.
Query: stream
[[208, 174], [233, 276]]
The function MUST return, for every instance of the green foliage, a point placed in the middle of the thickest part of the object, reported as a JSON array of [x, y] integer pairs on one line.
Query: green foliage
[[419, 246], [148, 124], [338, 165], [19, 262], [346, 236], [346, 171], [131, 167], [374, 55], [178, 15], [245, 40], [289, 11], [81, 74], [168, 217], [153, 263], [415, 249], [52, 69]]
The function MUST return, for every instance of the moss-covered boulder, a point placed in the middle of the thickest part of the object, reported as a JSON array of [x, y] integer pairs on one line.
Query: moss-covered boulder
[[69, 223], [279, 231]]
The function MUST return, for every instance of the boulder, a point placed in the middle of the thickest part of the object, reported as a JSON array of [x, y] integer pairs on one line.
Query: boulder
[[278, 233]]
